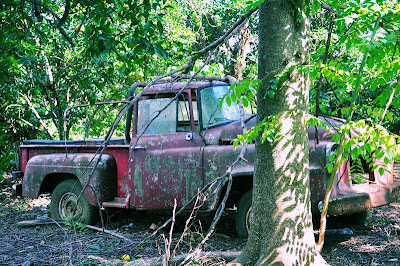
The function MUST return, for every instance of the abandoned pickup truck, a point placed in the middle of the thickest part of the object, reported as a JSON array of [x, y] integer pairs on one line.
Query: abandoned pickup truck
[[184, 148]]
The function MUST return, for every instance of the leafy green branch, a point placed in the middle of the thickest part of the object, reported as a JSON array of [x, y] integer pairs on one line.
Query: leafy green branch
[[369, 142], [267, 130], [243, 91], [340, 150]]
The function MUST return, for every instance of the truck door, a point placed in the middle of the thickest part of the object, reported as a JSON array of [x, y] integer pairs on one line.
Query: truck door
[[167, 152]]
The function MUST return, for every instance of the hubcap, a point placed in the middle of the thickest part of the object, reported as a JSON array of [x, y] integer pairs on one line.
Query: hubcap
[[68, 206]]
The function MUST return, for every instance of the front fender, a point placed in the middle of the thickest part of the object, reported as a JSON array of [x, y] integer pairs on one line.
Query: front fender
[[242, 178], [243, 170], [102, 184]]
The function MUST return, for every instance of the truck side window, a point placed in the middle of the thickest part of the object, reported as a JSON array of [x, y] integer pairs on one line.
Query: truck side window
[[165, 122], [195, 112], [175, 118], [183, 118]]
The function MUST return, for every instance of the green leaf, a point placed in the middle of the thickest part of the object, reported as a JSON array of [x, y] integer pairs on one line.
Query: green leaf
[[380, 155], [330, 168], [386, 160], [228, 101], [236, 142], [381, 171], [354, 153], [245, 102], [368, 148], [233, 97], [371, 62], [271, 94], [389, 115], [332, 157], [315, 7]]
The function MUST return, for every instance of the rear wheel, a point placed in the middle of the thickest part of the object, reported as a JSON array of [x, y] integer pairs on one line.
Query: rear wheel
[[243, 214], [64, 203]]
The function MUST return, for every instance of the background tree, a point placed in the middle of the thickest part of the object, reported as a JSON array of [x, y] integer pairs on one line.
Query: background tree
[[351, 38], [59, 55]]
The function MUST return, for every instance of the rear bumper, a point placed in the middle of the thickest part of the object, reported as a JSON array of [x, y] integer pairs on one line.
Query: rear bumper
[[362, 197]]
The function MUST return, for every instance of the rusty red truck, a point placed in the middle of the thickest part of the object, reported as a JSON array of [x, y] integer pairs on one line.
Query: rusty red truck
[[185, 146]]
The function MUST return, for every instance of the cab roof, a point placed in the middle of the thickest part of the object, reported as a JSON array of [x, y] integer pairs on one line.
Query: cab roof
[[176, 86]]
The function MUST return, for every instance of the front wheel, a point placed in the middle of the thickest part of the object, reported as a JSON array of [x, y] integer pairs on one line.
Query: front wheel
[[64, 203], [243, 214]]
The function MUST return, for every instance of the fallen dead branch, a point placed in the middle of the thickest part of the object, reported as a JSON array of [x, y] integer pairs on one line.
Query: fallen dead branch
[[32, 223], [226, 255]]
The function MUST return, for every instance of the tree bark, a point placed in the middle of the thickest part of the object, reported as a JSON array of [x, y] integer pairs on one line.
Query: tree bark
[[240, 53], [55, 103], [281, 226]]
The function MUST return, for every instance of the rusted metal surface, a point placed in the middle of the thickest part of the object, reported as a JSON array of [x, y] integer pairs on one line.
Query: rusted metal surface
[[175, 165], [318, 174], [225, 134], [165, 167], [119, 152], [362, 197], [102, 184], [176, 86]]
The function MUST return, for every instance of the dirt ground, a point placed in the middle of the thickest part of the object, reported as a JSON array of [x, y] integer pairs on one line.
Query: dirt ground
[[376, 243]]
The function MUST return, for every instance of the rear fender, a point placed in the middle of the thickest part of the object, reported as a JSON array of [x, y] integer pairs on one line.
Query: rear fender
[[48, 167]]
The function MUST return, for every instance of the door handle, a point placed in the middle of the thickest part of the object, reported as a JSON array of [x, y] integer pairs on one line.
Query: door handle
[[138, 147], [189, 136]]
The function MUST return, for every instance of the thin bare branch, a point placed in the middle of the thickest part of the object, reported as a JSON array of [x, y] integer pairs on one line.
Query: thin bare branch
[[193, 214], [28, 123], [327, 7], [45, 127], [32, 223], [389, 102], [56, 18], [234, 27], [319, 84], [169, 241], [228, 173], [65, 15]]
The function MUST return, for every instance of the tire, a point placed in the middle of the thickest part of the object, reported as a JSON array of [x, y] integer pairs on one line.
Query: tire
[[64, 200], [243, 214]]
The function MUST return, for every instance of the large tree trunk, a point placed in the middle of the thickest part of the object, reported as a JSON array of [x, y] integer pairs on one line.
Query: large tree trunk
[[281, 225]]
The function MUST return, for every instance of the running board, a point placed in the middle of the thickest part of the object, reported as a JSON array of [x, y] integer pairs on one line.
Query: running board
[[122, 203]]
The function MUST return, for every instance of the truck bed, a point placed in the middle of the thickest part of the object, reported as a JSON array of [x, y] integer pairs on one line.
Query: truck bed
[[117, 148], [96, 141]]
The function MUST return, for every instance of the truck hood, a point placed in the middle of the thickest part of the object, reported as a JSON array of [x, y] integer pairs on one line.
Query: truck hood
[[225, 134]]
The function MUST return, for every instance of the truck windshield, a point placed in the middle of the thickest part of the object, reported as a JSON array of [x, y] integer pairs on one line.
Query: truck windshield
[[211, 115]]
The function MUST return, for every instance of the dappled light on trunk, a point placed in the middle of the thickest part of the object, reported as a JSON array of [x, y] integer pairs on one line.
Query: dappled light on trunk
[[281, 225]]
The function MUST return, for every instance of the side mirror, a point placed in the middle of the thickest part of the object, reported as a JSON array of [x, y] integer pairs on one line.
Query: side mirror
[[189, 136]]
